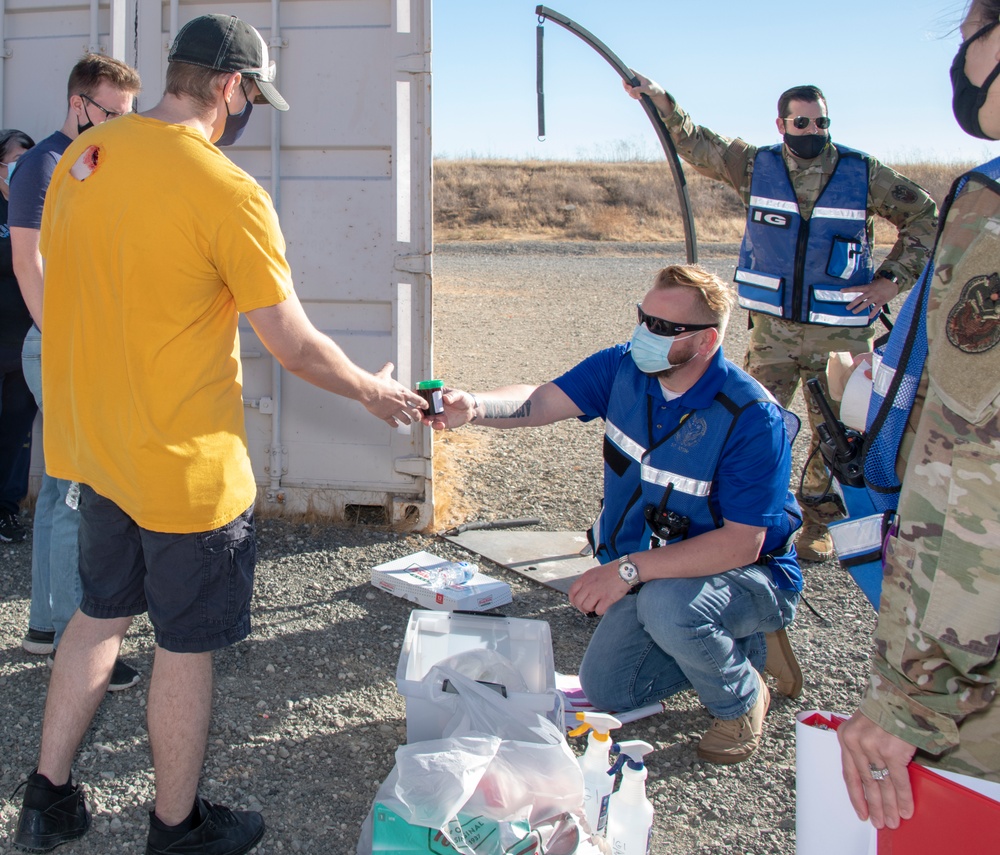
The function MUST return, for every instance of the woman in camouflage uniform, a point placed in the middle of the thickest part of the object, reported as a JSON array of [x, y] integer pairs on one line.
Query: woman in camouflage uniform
[[935, 668]]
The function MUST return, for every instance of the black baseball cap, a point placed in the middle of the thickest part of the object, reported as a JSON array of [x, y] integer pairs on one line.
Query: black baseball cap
[[225, 43]]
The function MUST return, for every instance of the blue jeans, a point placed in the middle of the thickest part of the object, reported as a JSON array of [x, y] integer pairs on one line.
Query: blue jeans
[[55, 546], [675, 634]]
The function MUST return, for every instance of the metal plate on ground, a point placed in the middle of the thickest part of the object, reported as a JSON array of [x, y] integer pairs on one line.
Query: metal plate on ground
[[550, 557]]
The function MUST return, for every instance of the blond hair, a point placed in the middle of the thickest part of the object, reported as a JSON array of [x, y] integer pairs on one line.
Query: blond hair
[[715, 298]]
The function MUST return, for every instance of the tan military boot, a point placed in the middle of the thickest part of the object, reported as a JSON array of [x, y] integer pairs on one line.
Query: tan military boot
[[814, 542], [736, 740], [782, 665]]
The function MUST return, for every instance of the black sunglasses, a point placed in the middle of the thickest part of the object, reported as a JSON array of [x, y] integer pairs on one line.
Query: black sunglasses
[[658, 326], [802, 122], [108, 114]]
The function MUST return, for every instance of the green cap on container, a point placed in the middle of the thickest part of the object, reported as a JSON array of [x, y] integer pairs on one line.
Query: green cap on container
[[429, 384]]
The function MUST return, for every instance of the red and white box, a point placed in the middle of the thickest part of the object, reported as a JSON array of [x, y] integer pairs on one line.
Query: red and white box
[[412, 577]]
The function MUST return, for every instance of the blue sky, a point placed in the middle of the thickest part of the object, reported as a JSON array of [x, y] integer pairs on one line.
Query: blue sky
[[883, 65]]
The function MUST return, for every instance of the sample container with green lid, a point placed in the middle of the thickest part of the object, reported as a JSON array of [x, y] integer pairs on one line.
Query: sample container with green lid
[[431, 391]]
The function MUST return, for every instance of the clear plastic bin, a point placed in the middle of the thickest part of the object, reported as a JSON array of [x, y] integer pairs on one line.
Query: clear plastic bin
[[434, 636]]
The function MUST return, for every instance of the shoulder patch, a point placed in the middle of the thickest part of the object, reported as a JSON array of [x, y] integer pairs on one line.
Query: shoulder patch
[[974, 321], [904, 194]]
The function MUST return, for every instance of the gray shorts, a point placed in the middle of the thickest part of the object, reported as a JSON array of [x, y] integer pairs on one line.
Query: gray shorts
[[196, 587]]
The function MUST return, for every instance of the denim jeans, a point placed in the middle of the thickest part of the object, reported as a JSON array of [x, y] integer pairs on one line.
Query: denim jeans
[[55, 549], [674, 634]]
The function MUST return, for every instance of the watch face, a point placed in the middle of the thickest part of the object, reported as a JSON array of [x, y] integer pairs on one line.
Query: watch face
[[628, 571]]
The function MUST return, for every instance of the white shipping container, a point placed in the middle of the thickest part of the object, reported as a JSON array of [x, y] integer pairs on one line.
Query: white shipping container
[[349, 170]]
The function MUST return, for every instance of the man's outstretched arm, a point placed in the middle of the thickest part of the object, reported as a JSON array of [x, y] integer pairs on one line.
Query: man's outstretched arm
[[507, 407]]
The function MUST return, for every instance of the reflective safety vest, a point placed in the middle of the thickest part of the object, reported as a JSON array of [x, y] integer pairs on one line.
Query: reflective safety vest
[[859, 540], [794, 268], [637, 476], [895, 384]]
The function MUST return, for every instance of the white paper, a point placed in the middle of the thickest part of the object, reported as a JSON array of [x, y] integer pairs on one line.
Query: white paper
[[825, 822], [857, 393]]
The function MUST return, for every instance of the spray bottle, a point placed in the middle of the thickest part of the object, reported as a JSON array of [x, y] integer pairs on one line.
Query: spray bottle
[[594, 763], [630, 813]]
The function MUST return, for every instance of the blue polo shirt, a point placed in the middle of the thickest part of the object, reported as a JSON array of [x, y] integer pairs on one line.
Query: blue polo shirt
[[751, 484]]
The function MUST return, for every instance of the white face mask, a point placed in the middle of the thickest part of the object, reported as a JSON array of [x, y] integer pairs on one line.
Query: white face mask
[[651, 352]]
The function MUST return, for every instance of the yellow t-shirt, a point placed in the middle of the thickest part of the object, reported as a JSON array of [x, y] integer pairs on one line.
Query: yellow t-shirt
[[148, 261]]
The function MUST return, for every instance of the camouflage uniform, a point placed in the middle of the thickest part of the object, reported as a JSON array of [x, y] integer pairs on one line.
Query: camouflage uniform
[[935, 670], [782, 352]]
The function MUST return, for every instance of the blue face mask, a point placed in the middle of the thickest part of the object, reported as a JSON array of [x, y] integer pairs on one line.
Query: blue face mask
[[235, 123], [651, 352]]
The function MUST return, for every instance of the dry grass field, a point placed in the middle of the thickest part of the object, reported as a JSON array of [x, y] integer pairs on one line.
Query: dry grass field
[[627, 201]]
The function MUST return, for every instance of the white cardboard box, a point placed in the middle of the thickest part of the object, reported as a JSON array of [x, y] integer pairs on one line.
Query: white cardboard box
[[410, 577]]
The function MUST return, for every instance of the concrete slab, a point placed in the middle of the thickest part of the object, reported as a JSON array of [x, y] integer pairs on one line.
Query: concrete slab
[[550, 557]]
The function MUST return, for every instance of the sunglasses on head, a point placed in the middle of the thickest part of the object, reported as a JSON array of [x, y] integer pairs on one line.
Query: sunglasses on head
[[802, 122], [658, 326]]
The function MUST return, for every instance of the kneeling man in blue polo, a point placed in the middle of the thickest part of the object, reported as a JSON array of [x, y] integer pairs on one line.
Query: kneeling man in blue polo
[[697, 577]]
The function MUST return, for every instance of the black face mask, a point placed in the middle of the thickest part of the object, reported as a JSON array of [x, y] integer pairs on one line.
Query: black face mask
[[966, 99], [235, 123], [806, 146]]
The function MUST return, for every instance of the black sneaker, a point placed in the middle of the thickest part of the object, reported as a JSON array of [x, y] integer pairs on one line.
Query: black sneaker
[[38, 642], [11, 530], [49, 818], [220, 831], [123, 676]]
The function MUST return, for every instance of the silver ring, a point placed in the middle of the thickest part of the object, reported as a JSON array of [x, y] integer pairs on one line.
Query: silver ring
[[878, 774]]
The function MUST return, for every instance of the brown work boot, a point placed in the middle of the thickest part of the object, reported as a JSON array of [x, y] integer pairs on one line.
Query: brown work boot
[[814, 543], [733, 741], [782, 666]]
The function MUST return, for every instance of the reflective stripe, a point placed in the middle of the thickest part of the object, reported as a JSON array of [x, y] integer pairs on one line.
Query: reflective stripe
[[857, 536], [840, 213], [774, 204], [883, 379], [661, 477], [836, 296], [650, 474], [624, 442], [760, 306], [762, 279], [839, 320]]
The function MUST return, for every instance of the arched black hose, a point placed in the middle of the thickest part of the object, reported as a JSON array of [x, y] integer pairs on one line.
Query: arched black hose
[[680, 182]]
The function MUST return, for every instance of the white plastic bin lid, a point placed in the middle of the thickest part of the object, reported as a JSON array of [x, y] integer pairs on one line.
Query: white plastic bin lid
[[433, 636]]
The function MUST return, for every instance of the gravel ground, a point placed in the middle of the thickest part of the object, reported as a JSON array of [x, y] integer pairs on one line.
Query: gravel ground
[[307, 717]]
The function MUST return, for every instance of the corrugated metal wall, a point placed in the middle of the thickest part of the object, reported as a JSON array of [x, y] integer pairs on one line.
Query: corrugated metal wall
[[349, 168]]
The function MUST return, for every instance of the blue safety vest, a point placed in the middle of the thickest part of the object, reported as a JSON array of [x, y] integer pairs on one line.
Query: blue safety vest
[[637, 473], [795, 268], [859, 539], [907, 347]]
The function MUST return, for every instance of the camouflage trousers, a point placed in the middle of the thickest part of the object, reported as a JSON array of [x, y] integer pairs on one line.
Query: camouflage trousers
[[784, 354]]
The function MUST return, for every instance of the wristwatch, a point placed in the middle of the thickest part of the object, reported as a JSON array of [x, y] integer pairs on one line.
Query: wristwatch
[[628, 571], [885, 274]]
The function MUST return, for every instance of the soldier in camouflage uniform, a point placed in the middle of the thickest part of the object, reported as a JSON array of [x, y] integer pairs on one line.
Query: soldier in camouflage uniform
[[785, 351], [935, 668]]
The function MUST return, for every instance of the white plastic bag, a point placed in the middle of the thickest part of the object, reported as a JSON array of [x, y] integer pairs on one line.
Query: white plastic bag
[[503, 775]]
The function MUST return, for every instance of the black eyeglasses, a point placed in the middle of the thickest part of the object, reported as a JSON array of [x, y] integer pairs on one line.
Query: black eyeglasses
[[802, 122], [658, 326], [108, 114]]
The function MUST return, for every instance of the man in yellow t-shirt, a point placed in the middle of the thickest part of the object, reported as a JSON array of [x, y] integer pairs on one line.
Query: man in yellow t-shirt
[[154, 244]]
